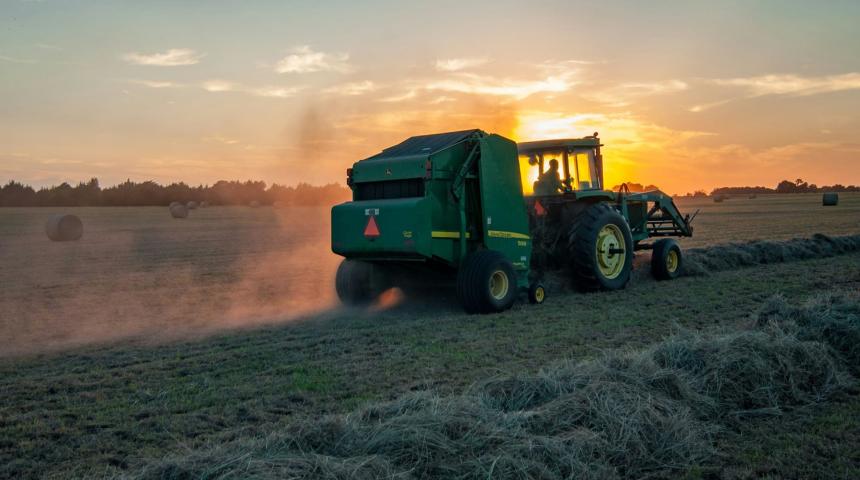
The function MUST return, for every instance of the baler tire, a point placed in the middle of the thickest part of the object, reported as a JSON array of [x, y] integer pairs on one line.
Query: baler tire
[[584, 235], [353, 282], [537, 293], [474, 282], [666, 259]]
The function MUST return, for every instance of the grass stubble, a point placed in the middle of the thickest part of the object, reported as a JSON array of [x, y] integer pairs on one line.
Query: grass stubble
[[649, 413]]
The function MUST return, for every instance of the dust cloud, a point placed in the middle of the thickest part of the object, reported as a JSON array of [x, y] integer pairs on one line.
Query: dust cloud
[[138, 274]]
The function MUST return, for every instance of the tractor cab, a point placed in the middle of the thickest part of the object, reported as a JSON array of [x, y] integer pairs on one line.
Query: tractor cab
[[556, 167]]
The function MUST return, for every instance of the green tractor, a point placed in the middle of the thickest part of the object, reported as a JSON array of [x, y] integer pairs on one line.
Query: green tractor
[[494, 216]]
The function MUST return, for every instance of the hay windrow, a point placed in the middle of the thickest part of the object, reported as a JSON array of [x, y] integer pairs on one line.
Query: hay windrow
[[624, 414], [702, 261]]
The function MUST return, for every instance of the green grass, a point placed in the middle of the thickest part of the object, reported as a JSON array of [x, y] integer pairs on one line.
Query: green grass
[[95, 411], [819, 441]]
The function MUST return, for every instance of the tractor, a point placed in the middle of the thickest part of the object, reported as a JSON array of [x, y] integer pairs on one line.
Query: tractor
[[492, 217]]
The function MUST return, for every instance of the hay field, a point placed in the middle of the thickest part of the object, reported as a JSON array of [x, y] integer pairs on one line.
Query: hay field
[[137, 272], [138, 369], [771, 217]]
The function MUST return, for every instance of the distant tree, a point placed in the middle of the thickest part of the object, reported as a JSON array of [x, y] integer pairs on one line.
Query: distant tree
[[148, 193], [786, 187]]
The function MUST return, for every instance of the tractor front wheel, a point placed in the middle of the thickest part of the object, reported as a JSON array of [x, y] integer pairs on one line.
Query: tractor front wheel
[[357, 282], [486, 283], [601, 249], [666, 259]]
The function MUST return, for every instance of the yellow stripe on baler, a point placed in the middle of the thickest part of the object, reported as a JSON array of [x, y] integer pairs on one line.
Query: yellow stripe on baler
[[443, 234], [501, 234], [491, 233]]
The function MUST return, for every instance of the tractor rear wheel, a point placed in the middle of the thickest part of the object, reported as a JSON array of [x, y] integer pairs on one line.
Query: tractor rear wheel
[[666, 259], [601, 249], [486, 283], [356, 282]]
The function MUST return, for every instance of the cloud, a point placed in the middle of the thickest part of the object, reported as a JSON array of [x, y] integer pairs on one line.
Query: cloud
[[456, 64], [407, 95], [352, 89], [172, 58], [217, 86], [4, 58], [221, 139], [621, 95], [790, 84], [156, 84], [304, 60], [220, 86], [707, 106], [470, 83], [624, 130], [275, 92]]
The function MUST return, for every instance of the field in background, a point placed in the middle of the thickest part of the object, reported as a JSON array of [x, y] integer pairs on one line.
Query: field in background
[[101, 410], [139, 273], [771, 217]]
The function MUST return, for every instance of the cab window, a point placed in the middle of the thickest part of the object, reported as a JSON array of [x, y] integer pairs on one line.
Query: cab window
[[539, 177]]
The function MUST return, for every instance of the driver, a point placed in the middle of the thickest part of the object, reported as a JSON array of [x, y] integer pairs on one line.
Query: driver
[[549, 182]]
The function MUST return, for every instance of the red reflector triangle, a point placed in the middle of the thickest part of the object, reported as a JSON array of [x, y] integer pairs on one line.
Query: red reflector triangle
[[371, 230], [539, 210]]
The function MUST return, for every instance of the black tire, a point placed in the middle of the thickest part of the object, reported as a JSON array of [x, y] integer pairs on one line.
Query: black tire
[[666, 259], [355, 282], [537, 293], [486, 283], [604, 271]]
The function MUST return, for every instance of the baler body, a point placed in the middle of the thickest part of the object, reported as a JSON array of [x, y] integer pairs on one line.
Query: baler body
[[433, 200]]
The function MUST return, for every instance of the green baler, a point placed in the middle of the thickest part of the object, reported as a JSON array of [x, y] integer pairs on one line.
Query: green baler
[[451, 206]]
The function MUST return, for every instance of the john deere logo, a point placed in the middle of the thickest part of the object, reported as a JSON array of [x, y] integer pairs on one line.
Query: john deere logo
[[388, 171]]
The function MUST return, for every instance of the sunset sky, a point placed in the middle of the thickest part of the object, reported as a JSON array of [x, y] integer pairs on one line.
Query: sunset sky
[[686, 95]]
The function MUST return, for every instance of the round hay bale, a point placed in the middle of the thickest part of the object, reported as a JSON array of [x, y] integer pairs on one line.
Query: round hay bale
[[753, 196], [64, 228], [719, 198], [173, 204], [830, 199], [179, 211], [203, 204], [192, 205], [254, 204]]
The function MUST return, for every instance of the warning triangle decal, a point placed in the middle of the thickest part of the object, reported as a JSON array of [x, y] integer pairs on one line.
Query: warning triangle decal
[[371, 230]]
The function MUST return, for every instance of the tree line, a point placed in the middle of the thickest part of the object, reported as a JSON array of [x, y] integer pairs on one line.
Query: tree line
[[149, 193], [786, 186]]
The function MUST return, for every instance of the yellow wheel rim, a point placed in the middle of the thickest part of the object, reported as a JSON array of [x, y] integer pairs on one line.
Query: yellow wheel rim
[[499, 285], [610, 239], [672, 261], [540, 294]]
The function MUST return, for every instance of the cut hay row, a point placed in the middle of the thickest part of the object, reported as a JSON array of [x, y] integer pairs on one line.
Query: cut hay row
[[716, 258], [651, 413]]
